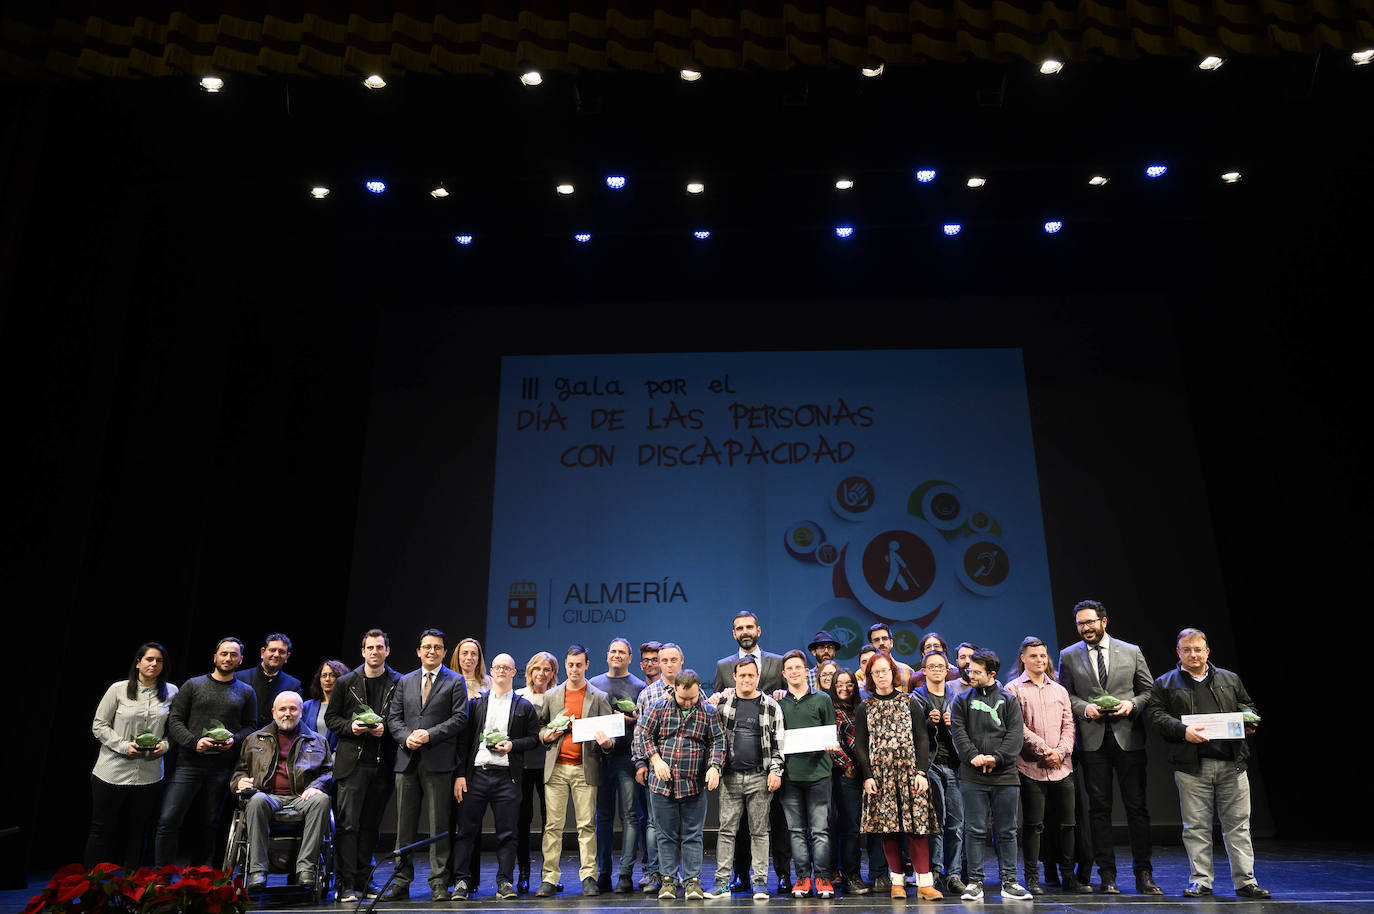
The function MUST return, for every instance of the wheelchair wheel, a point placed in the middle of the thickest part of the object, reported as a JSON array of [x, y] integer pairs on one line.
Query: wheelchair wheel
[[236, 846]]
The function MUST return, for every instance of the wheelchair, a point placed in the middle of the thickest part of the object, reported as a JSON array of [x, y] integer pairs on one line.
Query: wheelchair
[[283, 842]]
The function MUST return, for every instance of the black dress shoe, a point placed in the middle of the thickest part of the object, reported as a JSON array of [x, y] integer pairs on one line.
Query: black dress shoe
[[1253, 891], [441, 895], [603, 882], [523, 886], [589, 887], [396, 892], [546, 890], [1109, 886], [624, 885], [1145, 884], [256, 883], [738, 884], [1034, 888], [1197, 890], [1071, 886]]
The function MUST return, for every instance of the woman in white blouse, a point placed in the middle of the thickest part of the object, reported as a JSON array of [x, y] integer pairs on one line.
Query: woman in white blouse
[[126, 782]]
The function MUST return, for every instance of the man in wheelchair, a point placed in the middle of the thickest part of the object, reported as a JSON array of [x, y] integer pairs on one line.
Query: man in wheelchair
[[290, 767]]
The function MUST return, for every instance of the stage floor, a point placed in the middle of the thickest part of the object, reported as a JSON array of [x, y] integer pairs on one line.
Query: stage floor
[[1302, 876]]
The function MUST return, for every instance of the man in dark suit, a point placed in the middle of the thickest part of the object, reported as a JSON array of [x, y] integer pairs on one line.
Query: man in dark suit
[[1110, 740], [268, 679], [490, 773], [426, 719], [746, 630], [363, 763]]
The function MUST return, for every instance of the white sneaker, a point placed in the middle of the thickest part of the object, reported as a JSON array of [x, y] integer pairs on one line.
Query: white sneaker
[[720, 890], [761, 893], [1016, 890], [973, 891]]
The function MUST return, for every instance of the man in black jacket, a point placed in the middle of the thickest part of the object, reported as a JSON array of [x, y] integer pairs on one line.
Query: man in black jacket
[[1209, 769], [502, 727], [269, 678], [363, 764]]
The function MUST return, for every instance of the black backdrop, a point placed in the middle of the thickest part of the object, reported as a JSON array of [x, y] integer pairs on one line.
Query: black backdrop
[[225, 413]]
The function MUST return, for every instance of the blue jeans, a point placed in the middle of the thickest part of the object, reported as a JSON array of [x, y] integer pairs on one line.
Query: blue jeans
[[1002, 799], [947, 848], [617, 792], [848, 794], [199, 793], [807, 807], [679, 823]]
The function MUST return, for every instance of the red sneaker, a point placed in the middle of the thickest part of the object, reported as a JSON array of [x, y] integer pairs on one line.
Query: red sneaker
[[801, 888], [824, 889]]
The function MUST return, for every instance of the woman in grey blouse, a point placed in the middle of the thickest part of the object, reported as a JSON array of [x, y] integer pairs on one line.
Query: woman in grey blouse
[[126, 781]]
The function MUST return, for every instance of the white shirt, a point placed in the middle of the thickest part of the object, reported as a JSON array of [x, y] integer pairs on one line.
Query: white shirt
[[1105, 644], [498, 717]]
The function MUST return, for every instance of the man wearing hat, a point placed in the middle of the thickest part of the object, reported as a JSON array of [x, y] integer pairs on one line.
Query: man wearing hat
[[823, 647]]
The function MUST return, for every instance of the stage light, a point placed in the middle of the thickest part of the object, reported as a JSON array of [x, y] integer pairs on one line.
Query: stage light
[[1049, 66], [615, 182], [925, 175], [1211, 63], [374, 82], [977, 181], [1098, 180], [439, 192], [695, 187], [844, 231], [1053, 226], [689, 76], [1231, 177], [564, 189], [319, 191], [871, 72], [952, 228], [531, 78], [582, 237], [376, 187], [463, 239], [844, 184], [211, 84], [1362, 57], [1156, 171], [701, 234]]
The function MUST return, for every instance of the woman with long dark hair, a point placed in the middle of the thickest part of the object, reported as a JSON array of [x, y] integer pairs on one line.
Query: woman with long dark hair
[[126, 783], [846, 791], [321, 687]]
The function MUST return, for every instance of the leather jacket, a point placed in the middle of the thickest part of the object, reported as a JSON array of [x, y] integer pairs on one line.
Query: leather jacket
[[310, 761]]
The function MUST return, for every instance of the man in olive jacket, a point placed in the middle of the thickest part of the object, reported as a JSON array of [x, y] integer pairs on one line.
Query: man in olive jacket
[[290, 767], [1210, 772]]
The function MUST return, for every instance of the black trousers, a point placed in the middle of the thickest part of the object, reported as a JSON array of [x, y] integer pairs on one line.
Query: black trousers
[[424, 794], [499, 791], [1129, 767], [1035, 797], [361, 799], [531, 786], [113, 805]]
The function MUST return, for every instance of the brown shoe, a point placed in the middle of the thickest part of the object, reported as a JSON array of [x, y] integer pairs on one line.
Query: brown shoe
[[898, 889], [928, 893], [1145, 884]]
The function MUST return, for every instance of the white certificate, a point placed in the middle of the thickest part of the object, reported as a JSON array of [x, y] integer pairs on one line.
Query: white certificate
[[1218, 726], [808, 739], [584, 728]]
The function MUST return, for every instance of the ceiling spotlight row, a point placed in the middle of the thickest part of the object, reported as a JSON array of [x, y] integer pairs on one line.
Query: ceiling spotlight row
[[842, 231], [1049, 66]]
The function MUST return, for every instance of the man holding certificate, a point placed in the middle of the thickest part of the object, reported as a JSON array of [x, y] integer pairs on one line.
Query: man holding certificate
[[810, 738], [1201, 711], [572, 769]]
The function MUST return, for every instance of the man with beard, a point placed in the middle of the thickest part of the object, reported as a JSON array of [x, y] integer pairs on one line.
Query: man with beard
[[1209, 773], [289, 766], [746, 630], [1110, 741], [268, 679], [823, 647], [202, 773], [880, 636]]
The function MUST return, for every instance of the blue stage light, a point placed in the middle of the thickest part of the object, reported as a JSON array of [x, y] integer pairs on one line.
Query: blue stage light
[[925, 175], [463, 239], [844, 231], [582, 237], [953, 228], [1053, 226], [376, 187], [1156, 171], [701, 234], [615, 182]]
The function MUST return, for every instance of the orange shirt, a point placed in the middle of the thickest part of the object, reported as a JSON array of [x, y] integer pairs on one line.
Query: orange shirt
[[569, 752]]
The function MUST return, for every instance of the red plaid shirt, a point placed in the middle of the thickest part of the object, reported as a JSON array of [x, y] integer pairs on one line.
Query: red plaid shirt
[[690, 742]]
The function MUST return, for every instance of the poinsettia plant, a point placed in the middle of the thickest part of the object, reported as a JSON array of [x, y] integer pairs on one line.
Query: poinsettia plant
[[171, 889]]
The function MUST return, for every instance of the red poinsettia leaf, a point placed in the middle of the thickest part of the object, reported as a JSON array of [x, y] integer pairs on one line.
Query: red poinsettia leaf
[[71, 869], [72, 887], [36, 904], [106, 868]]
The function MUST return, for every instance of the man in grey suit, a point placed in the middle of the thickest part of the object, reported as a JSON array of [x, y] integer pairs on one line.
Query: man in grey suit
[[427, 715], [572, 770], [1110, 740]]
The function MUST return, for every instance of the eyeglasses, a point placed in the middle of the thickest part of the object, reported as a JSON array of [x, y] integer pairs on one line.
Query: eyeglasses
[[936, 667], [501, 667], [1088, 623], [431, 648]]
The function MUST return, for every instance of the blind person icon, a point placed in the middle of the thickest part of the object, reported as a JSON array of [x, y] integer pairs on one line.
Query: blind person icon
[[897, 571]]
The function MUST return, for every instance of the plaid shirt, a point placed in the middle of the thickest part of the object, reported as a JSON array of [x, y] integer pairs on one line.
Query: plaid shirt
[[689, 742], [771, 729], [844, 728], [653, 693]]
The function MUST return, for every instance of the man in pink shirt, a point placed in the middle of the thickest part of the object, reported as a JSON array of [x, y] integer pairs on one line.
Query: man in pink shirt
[[1045, 763]]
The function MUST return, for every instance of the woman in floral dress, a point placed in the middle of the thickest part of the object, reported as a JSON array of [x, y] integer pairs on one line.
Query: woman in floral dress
[[893, 749]]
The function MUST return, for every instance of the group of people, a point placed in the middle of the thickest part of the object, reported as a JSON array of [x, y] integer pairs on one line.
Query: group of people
[[816, 764]]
